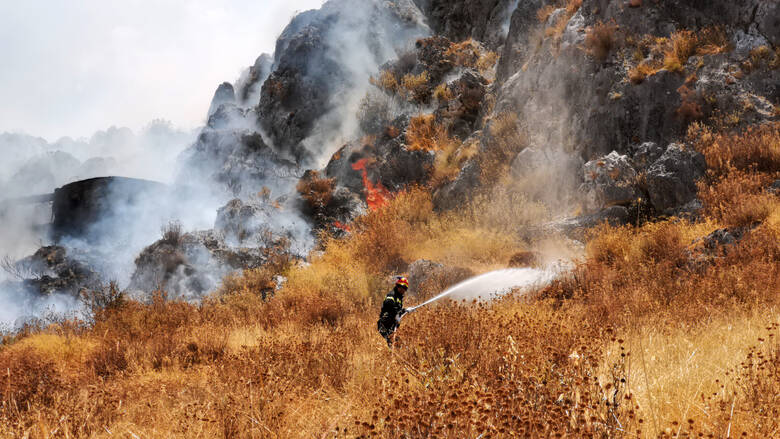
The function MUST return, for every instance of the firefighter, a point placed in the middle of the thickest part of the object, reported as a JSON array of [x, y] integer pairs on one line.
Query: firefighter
[[392, 310]]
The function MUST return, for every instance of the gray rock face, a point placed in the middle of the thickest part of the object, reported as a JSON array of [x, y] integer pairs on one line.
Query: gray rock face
[[239, 221], [264, 223], [609, 181], [454, 194], [646, 154], [671, 180], [224, 95], [576, 228], [324, 56], [573, 99], [483, 20], [248, 85]]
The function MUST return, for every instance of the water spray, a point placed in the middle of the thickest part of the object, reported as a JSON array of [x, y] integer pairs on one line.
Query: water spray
[[494, 284]]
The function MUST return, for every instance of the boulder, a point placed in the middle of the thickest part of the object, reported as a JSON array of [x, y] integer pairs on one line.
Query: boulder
[[671, 180], [101, 209], [609, 181], [646, 154], [576, 228], [453, 194], [52, 270]]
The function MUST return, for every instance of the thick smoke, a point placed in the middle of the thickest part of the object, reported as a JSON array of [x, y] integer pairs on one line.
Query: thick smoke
[[36, 167]]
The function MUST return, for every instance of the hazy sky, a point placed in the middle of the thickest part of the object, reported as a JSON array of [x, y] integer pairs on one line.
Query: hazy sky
[[71, 67]]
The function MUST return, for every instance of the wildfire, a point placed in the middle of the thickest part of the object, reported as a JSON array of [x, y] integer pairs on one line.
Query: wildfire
[[376, 194]]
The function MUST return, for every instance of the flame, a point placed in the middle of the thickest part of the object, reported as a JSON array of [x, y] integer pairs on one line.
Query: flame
[[342, 226], [376, 194]]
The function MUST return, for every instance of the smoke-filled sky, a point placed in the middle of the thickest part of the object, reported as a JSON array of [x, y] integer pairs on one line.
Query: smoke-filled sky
[[72, 67]]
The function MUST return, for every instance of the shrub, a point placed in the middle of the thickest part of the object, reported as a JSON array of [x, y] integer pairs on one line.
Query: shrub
[[544, 13], [712, 41], [386, 81], [442, 93], [416, 87], [172, 233], [425, 134], [644, 69], [681, 46], [28, 380], [376, 111], [600, 40], [316, 190], [110, 359], [758, 148], [736, 199], [690, 107]]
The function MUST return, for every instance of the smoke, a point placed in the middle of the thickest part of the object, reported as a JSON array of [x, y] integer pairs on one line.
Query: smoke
[[36, 167], [541, 93], [366, 35], [20, 307]]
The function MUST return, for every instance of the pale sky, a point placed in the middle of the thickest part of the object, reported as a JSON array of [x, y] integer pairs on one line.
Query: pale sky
[[72, 67]]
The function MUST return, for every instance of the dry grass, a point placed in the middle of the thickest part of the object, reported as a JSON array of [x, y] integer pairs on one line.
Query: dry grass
[[416, 87], [472, 54], [442, 93], [450, 160], [506, 139], [386, 81], [316, 190], [556, 30], [635, 342], [600, 40], [653, 54], [758, 148], [682, 44]]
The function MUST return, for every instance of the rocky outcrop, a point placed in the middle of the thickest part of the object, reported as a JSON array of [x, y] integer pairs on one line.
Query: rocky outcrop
[[549, 75], [189, 265], [322, 58], [263, 222], [99, 208], [52, 270], [224, 95], [609, 181], [482, 20], [671, 180]]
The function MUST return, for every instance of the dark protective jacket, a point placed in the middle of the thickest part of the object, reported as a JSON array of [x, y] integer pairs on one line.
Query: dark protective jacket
[[392, 310]]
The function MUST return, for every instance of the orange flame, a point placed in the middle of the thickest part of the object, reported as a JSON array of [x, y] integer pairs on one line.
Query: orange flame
[[342, 226], [376, 194]]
